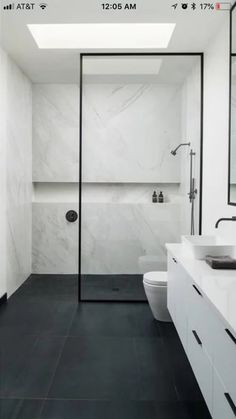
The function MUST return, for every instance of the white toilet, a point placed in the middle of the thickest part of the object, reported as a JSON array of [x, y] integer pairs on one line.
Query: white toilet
[[155, 285]]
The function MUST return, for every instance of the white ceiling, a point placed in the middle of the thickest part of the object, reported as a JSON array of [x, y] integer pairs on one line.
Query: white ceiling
[[192, 33]]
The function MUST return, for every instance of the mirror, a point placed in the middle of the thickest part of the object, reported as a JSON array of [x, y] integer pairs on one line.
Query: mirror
[[232, 127]]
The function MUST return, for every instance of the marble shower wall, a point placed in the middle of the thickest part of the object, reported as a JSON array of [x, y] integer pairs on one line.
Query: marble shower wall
[[121, 124], [55, 133], [18, 176], [55, 240], [128, 132], [117, 238], [127, 238], [120, 226]]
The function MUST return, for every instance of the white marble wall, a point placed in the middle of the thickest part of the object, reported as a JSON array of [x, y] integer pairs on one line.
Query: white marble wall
[[128, 132], [121, 124], [19, 176], [116, 237], [125, 158], [3, 214], [55, 132], [191, 125], [55, 240]]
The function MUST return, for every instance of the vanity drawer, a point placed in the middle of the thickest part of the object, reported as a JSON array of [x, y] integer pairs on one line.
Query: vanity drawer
[[202, 318], [201, 364], [223, 406], [225, 358]]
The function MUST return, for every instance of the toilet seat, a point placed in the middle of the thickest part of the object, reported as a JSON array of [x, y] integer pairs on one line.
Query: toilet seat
[[155, 278]]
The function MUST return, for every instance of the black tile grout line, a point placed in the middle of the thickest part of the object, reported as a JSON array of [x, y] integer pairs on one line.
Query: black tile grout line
[[57, 364]]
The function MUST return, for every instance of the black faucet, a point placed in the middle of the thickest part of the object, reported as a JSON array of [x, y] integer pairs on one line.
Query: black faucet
[[233, 218]]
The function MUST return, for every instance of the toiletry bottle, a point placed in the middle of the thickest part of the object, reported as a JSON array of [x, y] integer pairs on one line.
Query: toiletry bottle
[[154, 197], [161, 197]]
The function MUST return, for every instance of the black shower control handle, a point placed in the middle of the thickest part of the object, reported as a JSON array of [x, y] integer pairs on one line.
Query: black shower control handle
[[71, 216]]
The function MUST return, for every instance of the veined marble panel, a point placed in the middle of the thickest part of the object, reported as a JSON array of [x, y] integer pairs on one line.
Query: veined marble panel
[[129, 131], [55, 132], [116, 238], [55, 240], [19, 176], [122, 238]]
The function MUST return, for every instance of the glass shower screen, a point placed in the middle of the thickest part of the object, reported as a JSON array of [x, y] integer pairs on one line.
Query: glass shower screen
[[133, 110]]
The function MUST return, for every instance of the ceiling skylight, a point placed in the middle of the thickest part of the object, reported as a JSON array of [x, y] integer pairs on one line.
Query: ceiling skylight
[[102, 35]]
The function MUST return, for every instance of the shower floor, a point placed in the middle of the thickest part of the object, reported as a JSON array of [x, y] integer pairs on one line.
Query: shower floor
[[112, 288]]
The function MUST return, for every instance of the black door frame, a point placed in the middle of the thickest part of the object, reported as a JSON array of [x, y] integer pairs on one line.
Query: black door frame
[[130, 54]]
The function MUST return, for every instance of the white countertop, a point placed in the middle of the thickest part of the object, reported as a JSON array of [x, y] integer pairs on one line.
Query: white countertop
[[217, 285]]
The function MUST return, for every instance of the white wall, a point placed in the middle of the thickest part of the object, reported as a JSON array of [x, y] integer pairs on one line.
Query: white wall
[[121, 123], [215, 149], [16, 176], [19, 176], [3, 63], [55, 133]]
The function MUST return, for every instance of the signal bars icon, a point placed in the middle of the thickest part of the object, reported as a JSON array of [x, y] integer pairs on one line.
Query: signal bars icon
[[9, 7]]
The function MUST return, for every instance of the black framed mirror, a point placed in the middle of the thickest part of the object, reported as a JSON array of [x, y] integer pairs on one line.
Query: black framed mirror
[[232, 111]]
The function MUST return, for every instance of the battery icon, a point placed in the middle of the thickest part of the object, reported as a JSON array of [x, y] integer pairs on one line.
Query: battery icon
[[223, 6]]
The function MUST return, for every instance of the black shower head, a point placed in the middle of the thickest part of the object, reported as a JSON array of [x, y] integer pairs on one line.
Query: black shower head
[[174, 152]]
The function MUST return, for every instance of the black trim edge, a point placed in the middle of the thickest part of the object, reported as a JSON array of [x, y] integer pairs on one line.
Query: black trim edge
[[232, 337], [197, 290], [197, 337], [3, 299], [231, 403]]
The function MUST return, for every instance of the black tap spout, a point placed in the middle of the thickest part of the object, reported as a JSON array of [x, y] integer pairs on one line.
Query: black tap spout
[[233, 218]]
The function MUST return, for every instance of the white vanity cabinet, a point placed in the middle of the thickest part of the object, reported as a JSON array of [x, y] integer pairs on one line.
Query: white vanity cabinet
[[209, 343], [175, 300]]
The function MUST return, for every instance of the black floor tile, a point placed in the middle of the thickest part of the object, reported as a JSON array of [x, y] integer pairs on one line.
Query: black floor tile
[[74, 409], [196, 410], [114, 320], [97, 368], [113, 287], [155, 373], [36, 317], [185, 382], [20, 409], [117, 357], [28, 365], [50, 287]]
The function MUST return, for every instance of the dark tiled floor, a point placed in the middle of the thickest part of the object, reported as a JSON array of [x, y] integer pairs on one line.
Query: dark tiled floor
[[112, 287], [61, 360]]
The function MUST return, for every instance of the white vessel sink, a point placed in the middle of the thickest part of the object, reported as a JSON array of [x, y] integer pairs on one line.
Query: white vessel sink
[[201, 246]]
